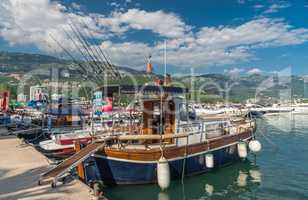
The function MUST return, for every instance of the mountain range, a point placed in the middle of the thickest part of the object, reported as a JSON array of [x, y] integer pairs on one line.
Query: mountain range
[[211, 87]]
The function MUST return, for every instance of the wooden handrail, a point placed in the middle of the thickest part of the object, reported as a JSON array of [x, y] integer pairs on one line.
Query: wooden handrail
[[152, 137]]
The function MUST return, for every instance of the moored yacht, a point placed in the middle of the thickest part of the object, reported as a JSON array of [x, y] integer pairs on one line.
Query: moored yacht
[[169, 142], [270, 110]]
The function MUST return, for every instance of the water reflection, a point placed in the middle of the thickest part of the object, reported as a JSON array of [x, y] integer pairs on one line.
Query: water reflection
[[255, 174], [163, 196], [227, 182], [286, 122]]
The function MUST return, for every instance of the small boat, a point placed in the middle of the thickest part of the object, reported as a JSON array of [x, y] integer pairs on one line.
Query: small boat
[[22, 127], [200, 111], [300, 108], [62, 140], [66, 114], [255, 114], [5, 119], [271, 110], [61, 144]]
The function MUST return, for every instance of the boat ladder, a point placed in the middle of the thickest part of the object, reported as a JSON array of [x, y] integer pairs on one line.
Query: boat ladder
[[67, 165]]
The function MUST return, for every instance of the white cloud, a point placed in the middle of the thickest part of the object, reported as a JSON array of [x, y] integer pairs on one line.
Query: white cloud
[[254, 71], [75, 6], [115, 4], [229, 45], [127, 53], [241, 1], [276, 7], [165, 24], [255, 33], [258, 6], [37, 21], [234, 71]]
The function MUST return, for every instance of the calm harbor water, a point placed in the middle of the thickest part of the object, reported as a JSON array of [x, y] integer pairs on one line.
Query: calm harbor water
[[280, 171]]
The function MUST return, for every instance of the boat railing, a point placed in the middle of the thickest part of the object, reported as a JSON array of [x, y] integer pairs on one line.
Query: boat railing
[[189, 134], [204, 131]]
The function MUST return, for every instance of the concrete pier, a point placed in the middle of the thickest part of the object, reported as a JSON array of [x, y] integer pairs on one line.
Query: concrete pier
[[20, 169]]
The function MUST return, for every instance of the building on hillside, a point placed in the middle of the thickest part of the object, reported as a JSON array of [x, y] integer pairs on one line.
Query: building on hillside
[[22, 97], [55, 90], [37, 93]]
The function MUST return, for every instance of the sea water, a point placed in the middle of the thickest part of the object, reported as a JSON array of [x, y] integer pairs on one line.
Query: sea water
[[279, 171]]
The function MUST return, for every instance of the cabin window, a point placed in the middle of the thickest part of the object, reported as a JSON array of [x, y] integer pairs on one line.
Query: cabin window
[[187, 112], [191, 113], [157, 121], [156, 109], [183, 112]]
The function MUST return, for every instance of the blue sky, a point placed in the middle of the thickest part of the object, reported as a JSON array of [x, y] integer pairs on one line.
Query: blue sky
[[230, 36]]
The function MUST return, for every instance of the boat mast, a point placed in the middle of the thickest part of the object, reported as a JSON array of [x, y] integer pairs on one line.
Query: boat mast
[[165, 62]]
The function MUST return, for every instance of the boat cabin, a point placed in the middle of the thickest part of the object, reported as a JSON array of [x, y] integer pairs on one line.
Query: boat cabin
[[163, 112], [65, 115], [158, 105]]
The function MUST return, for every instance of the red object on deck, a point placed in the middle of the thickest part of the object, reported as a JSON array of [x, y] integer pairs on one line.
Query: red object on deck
[[85, 140], [5, 101], [108, 107], [149, 68], [40, 97]]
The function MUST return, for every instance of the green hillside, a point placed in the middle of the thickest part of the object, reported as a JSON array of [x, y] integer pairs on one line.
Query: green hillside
[[208, 87]]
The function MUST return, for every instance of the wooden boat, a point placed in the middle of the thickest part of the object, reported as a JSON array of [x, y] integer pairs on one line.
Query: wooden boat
[[66, 114], [169, 134], [4, 118]]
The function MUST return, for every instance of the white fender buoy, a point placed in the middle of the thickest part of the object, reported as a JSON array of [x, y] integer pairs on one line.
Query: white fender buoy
[[163, 173], [209, 160], [242, 149], [255, 146]]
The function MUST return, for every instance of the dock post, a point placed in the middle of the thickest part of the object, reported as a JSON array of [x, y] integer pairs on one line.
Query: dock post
[[98, 191], [80, 168]]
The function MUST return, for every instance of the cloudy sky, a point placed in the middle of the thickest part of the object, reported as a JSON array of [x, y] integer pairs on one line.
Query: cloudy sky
[[234, 36]]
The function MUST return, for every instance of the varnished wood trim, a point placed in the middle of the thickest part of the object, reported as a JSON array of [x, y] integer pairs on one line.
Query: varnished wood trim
[[173, 151]]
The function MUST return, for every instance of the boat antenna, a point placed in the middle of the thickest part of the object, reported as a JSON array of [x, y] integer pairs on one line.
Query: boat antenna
[[149, 67], [165, 62]]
